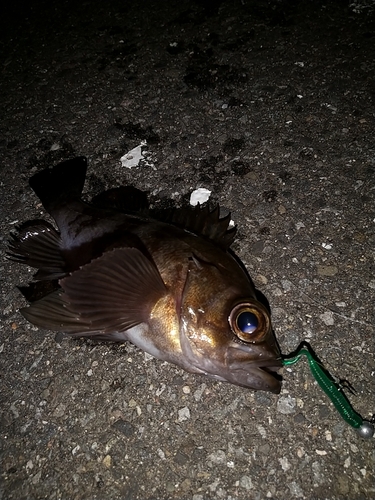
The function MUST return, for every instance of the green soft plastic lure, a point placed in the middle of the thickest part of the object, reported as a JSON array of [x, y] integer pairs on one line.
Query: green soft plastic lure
[[333, 389]]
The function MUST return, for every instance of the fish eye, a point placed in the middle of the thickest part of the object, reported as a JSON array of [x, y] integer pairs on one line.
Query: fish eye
[[249, 322]]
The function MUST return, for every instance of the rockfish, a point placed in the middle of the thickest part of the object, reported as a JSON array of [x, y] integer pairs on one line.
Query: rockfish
[[165, 281]]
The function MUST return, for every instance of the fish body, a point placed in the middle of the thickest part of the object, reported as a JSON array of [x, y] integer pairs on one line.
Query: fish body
[[168, 283]]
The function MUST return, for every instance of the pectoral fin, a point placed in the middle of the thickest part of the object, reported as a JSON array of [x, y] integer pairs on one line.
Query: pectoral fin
[[110, 294]]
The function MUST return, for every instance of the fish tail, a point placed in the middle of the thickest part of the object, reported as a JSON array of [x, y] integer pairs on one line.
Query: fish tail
[[61, 184]]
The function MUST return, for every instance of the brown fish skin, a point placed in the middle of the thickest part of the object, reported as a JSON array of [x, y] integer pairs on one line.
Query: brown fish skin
[[171, 287]]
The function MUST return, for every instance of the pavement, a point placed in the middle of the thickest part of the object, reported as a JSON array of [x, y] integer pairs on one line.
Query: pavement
[[270, 106]]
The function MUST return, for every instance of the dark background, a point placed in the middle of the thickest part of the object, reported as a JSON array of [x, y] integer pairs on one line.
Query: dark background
[[270, 105]]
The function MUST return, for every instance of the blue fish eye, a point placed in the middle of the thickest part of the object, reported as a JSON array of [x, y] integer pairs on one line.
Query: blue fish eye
[[247, 322]]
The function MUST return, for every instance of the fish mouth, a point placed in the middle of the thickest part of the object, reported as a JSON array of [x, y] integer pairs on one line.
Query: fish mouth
[[271, 374], [269, 365], [262, 374]]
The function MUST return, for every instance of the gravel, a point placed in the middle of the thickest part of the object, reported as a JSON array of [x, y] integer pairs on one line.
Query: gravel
[[268, 105]]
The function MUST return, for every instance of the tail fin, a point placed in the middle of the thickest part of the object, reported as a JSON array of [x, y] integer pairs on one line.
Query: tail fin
[[64, 182]]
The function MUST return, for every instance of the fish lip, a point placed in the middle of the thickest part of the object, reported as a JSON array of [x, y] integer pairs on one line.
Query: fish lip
[[271, 369], [276, 377], [264, 370], [270, 364], [272, 360]]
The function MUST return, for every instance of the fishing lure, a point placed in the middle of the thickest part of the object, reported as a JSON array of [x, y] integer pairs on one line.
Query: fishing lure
[[333, 389]]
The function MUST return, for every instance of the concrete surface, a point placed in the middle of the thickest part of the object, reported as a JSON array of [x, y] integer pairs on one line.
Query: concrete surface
[[270, 105]]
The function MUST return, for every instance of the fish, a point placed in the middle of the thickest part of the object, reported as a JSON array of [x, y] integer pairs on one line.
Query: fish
[[116, 269]]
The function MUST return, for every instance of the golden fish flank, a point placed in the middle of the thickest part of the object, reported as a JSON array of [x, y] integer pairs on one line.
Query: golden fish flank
[[166, 281]]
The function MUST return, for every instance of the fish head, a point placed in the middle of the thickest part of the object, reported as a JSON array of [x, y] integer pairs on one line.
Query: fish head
[[226, 332]]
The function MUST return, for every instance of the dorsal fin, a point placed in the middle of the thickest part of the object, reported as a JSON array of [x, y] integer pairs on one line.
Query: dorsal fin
[[203, 222], [199, 219]]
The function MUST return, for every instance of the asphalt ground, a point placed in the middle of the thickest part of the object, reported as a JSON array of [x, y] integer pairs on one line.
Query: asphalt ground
[[270, 106]]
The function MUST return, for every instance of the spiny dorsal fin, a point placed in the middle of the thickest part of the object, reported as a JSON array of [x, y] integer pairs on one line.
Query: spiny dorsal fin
[[203, 222], [199, 219]]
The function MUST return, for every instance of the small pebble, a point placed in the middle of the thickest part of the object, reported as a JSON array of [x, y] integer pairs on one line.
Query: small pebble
[[300, 452], [327, 318], [327, 270], [183, 414], [327, 246], [76, 449], [296, 490], [107, 461], [218, 457], [185, 485], [262, 280], [246, 483], [285, 464], [199, 392], [262, 431], [286, 405]]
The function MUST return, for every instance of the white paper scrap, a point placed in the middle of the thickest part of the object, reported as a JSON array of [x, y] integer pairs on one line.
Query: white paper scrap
[[200, 195], [137, 157]]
